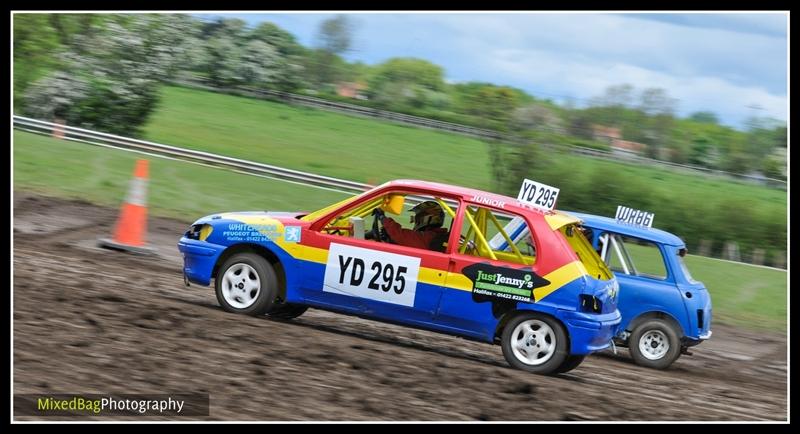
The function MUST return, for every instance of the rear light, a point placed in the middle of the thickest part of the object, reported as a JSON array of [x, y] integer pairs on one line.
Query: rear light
[[590, 303]]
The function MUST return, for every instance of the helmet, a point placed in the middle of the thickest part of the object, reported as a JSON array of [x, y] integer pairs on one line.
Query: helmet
[[427, 214]]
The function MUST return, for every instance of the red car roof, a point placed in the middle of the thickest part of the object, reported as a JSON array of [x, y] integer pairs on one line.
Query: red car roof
[[468, 194]]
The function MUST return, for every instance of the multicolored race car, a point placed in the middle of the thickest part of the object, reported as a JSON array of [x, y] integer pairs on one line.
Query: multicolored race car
[[548, 302], [664, 310]]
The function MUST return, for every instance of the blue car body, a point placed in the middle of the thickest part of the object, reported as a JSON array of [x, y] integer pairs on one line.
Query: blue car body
[[684, 300]]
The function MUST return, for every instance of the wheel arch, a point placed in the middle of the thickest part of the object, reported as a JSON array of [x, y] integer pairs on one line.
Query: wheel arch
[[259, 250], [656, 314]]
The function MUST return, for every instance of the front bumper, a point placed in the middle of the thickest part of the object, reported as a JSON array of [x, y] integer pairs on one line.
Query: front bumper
[[590, 332], [199, 258]]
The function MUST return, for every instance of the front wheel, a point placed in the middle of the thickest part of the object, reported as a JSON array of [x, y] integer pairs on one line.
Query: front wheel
[[287, 311], [654, 344], [247, 284], [535, 343]]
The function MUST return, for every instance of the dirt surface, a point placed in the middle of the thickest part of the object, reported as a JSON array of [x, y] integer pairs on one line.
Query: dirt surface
[[88, 320]]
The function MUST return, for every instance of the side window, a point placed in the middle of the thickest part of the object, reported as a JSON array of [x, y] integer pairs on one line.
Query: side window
[[634, 256], [498, 236], [354, 221], [406, 223]]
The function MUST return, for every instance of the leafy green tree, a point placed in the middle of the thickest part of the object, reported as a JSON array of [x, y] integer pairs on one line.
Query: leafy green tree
[[222, 61], [704, 117], [771, 168], [335, 35], [701, 147], [284, 42], [35, 41], [258, 64], [492, 105], [334, 38], [108, 78], [579, 124], [536, 117], [401, 83]]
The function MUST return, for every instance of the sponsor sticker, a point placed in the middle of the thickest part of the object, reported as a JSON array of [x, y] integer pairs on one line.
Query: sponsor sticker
[[254, 232], [291, 234], [372, 274], [504, 282]]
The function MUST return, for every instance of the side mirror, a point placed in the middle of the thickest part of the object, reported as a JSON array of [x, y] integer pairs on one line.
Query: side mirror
[[393, 203]]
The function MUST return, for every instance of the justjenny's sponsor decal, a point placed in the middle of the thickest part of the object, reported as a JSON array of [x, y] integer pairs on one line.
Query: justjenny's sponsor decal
[[503, 282]]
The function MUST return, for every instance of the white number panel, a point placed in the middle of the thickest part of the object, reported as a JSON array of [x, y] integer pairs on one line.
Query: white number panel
[[372, 274], [538, 195]]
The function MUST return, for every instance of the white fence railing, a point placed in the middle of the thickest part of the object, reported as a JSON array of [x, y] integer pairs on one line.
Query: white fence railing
[[199, 157], [354, 109], [111, 140], [205, 158]]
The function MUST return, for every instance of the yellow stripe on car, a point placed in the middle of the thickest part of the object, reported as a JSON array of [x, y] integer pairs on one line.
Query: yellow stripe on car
[[431, 276]]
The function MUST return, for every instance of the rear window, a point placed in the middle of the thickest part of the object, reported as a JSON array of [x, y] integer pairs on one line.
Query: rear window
[[585, 252], [497, 236]]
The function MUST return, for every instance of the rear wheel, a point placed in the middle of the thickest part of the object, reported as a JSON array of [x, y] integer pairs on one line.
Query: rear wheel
[[246, 283], [535, 343], [654, 344]]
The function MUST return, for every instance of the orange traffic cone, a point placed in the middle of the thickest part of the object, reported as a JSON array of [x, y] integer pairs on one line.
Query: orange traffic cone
[[131, 226]]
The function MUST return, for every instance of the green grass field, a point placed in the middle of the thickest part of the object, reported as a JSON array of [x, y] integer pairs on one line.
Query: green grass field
[[177, 189], [372, 151], [312, 140], [742, 294]]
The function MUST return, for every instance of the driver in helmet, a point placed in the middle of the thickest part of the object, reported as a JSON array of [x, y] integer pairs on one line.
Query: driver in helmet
[[428, 232]]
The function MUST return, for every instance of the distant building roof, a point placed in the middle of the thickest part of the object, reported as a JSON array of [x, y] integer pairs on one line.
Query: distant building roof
[[606, 132], [628, 145]]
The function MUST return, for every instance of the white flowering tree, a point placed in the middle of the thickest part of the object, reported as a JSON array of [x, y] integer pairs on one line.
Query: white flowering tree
[[109, 78]]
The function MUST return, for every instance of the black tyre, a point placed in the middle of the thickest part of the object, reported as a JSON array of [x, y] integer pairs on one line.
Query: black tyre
[[535, 343], [570, 363], [286, 311], [246, 283], [655, 344]]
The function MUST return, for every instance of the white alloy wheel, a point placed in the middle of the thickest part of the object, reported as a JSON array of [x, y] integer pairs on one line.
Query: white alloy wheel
[[533, 342], [241, 285], [653, 344]]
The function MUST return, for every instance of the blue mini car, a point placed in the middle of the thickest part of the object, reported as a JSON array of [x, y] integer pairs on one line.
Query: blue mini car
[[664, 311]]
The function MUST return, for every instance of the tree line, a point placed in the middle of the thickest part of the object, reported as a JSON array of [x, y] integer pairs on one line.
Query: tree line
[[103, 71]]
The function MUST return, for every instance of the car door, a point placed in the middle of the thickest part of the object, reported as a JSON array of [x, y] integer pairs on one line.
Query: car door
[[644, 281], [472, 302], [375, 279]]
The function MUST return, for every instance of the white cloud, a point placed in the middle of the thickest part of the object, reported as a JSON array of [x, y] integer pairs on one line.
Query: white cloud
[[717, 62]]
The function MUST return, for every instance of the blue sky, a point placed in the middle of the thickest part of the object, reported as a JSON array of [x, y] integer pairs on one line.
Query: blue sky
[[733, 64]]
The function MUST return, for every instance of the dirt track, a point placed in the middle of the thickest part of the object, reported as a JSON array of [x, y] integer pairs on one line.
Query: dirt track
[[93, 321]]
